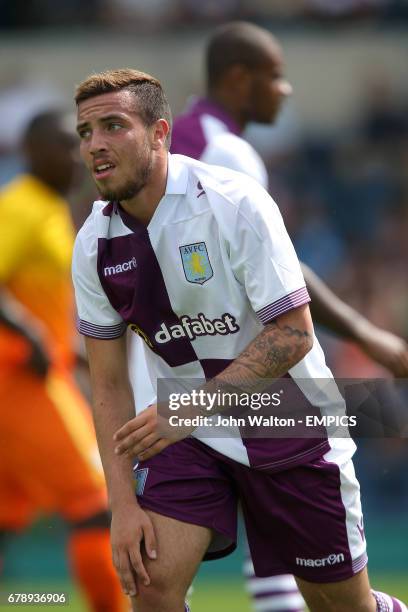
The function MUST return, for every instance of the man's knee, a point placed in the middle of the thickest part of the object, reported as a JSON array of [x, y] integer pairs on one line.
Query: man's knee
[[159, 597], [320, 601], [353, 594], [165, 593]]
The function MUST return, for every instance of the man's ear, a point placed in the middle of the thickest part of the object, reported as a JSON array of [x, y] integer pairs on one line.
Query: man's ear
[[159, 131], [238, 80]]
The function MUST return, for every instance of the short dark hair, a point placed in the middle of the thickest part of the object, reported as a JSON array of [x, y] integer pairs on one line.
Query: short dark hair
[[237, 42], [40, 125], [152, 103]]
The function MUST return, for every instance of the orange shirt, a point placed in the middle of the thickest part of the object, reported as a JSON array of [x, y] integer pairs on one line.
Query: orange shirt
[[36, 241]]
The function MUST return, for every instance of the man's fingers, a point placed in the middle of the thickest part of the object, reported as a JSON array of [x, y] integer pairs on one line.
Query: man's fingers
[[134, 446], [124, 569], [132, 439], [131, 426], [150, 542], [157, 447], [138, 567], [149, 415]]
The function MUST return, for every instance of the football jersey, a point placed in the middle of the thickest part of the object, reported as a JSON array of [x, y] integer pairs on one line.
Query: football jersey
[[213, 266], [36, 242], [206, 132]]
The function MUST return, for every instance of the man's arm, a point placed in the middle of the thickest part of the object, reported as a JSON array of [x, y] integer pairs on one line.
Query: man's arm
[[279, 346], [113, 405], [331, 312], [271, 354], [16, 318]]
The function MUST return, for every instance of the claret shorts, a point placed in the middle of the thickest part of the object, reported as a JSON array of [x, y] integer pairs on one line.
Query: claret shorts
[[305, 521]]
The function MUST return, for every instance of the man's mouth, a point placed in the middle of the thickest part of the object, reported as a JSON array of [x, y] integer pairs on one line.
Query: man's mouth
[[103, 170]]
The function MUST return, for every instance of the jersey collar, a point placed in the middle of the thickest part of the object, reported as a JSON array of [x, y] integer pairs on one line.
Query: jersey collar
[[177, 176], [206, 106], [177, 181]]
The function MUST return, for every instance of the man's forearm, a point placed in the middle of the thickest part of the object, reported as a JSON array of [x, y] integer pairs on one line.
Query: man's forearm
[[330, 311], [112, 408], [270, 355]]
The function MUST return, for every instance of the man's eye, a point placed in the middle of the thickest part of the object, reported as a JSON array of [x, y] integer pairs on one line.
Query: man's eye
[[113, 127], [83, 134]]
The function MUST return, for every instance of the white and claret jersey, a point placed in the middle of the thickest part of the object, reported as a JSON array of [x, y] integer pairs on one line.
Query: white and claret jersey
[[197, 284], [205, 131]]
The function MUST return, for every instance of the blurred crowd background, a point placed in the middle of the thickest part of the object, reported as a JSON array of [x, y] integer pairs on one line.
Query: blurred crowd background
[[337, 158], [164, 14]]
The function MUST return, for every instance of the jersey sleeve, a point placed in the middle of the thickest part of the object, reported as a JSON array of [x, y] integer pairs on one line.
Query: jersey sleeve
[[233, 152], [96, 316], [263, 258]]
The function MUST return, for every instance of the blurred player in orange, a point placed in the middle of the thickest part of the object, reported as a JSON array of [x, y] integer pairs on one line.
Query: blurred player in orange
[[48, 454]]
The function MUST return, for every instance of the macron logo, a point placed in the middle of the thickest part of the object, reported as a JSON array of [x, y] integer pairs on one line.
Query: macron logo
[[330, 560], [123, 267]]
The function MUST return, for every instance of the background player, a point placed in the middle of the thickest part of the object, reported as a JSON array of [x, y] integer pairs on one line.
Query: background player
[[48, 455], [245, 82]]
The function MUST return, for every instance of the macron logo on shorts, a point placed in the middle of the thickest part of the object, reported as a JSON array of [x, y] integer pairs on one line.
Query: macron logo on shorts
[[123, 267], [330, 560]]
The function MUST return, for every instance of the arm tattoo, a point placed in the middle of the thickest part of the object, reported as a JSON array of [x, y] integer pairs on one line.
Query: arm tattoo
[[270, 355]]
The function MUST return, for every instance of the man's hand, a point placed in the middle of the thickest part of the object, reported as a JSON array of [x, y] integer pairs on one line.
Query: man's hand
[[148, 434], [387, 349], [130, 527], [21, 321]]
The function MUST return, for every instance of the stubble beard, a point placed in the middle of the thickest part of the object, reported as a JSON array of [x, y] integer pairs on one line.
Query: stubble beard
[[134, 186]]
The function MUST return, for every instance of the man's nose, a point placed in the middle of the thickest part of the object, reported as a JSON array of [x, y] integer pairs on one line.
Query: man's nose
[[97, 142]]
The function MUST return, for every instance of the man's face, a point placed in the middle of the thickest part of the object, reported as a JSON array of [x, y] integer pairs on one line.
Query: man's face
[[269, 88], [59, 156], [115, 144]]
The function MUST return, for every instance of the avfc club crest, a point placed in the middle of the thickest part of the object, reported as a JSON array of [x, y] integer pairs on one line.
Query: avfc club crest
[[196, 263]]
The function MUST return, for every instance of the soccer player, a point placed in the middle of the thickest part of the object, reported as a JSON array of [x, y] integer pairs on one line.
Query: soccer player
[[48, 453], [196, 259], [245, 82]]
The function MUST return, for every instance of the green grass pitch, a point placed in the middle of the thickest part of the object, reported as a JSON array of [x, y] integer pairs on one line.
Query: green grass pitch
[[219, 596]]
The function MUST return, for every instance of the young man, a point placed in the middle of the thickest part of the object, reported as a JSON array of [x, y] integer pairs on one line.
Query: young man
[[240, 288], [48, 454]]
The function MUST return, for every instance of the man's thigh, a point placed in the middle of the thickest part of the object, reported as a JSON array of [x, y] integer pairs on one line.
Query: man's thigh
[[188, 484], [352, 594], [311, 515], [180, 550]]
